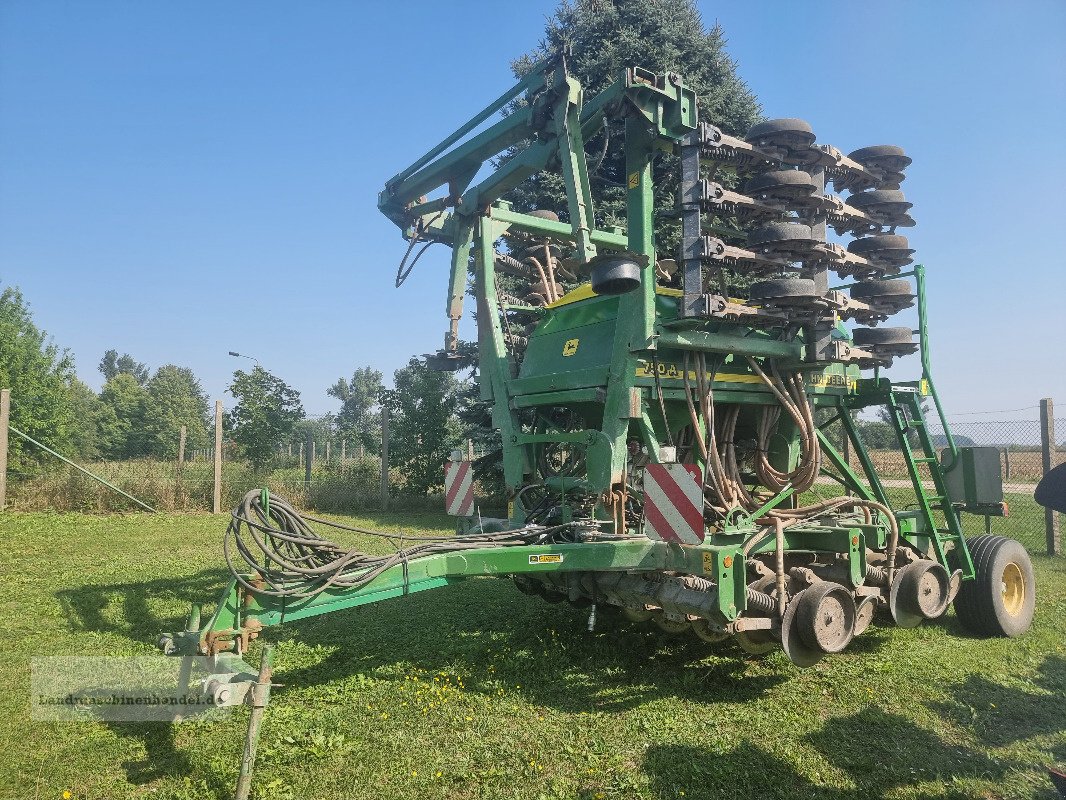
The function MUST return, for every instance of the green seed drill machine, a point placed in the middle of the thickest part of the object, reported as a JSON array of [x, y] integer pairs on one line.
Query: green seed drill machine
[[661, 432]]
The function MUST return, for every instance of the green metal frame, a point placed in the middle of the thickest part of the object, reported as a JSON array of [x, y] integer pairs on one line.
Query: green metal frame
[[635, 345]]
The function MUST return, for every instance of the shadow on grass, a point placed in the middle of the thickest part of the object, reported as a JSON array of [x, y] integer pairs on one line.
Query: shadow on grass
[[494, 636], [1000, 715], [135, 610], [879, 751]]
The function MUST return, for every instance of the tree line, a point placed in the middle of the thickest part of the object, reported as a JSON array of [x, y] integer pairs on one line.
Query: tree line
[[139, 412]]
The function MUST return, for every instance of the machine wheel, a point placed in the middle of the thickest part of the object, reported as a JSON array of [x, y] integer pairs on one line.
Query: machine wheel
[[788, 182], [869, 289], [881, 336], [755, 643], [865, 611], [790, 289], [921, 590], [773, 128], [1001, 598], [825, 616], [544, 213], [886, 156], [670, 626], [708, 633], [875, 244], [820, 619], [879, 198], [776, 232]]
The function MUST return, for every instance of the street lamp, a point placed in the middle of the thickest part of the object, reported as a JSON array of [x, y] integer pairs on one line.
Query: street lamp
[[242, 355]]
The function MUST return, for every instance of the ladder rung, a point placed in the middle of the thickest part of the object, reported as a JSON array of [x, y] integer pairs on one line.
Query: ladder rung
[[935, 498], [925, 460]]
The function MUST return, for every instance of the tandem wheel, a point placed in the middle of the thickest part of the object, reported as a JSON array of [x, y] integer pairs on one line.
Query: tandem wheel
[[1001, 598]]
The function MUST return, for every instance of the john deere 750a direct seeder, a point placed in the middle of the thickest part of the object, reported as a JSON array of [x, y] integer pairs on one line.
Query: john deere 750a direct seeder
[[660, 429]]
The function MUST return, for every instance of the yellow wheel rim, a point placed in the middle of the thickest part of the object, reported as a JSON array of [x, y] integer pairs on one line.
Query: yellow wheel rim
[[1013, 589]]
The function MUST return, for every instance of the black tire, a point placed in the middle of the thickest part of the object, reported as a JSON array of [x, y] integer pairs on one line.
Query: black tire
[[779, 179], [877, 197], [875, 244], [868, 289], [987, 606], [878, 154], [543, 213], [772, 126], [781, 232], [781, 288], [876, 336]]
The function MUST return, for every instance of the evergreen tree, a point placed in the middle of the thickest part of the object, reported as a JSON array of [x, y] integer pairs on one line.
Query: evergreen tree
[[604, 37]]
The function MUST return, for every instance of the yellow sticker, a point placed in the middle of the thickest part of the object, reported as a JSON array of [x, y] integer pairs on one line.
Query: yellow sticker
[[708, 564], [634, 180], [547, 558], [570, 346], [510, 509], [923, 387]]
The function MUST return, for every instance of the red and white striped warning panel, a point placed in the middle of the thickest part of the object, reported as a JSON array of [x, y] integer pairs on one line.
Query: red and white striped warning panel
[[458, 488], [673, 503]]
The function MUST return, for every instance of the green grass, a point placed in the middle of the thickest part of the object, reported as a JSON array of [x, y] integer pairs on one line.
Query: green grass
[[477, 691]]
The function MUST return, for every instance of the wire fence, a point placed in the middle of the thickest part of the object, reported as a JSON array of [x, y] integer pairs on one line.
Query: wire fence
[[319, 469], [1019, 443]]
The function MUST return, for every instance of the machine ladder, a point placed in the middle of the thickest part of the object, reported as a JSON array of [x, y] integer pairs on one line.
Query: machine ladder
[[906, 414]]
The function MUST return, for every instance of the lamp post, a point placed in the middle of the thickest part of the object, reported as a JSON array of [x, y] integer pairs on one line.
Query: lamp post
[[235, 354]]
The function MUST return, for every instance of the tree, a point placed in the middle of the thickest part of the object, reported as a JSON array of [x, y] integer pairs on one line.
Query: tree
[[266, 411], [113, 364], [39, 375], [423, 428], [319, 429], [358, 420], [175, 398], [604, 37], [122, 423], [90, 417]]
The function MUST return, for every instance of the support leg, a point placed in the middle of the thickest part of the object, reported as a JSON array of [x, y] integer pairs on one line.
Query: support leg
[[260, 696]]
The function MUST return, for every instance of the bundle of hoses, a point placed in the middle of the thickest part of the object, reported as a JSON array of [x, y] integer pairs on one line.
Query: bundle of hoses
[[724, 486], [287, 558]]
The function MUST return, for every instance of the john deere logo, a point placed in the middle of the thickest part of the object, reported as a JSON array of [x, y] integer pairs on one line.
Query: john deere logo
[[570, 347]]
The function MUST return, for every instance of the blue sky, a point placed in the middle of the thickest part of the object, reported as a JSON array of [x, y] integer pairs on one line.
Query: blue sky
[[181, 180]]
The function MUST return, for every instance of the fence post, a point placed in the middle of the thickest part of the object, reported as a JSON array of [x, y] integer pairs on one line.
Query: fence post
[[216, 499], [361, 452], [181, 447], [1047, 451], [1006, 463], [5, 419], [384, 458], [309, 449]]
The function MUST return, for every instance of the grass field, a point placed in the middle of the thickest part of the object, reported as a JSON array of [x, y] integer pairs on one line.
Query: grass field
[[477, 691]]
